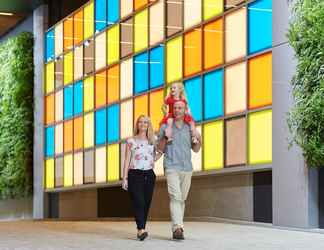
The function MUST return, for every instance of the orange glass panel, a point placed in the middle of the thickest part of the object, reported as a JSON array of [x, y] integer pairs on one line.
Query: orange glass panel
[[113, 84], [192, 52], [78, 27], [68, 33], [68, 136], [260, 81], [213, 44], [156, 114], [140, 106], [49, 104], [139, 3], [78, 133], [100, 89]]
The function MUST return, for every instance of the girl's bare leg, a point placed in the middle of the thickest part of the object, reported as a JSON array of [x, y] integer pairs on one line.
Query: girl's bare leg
[[168, 130], [194, 133]]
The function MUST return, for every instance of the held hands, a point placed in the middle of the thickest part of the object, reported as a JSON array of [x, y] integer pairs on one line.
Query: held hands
[[125, 184]]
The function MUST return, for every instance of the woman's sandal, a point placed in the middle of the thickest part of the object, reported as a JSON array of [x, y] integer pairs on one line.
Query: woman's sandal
[[142, 236]]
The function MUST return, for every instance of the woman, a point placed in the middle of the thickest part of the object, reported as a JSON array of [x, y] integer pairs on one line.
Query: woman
[[139, 177]]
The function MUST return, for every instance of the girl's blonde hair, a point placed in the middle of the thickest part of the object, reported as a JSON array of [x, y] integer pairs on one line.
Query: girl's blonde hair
[[182, 90], [149, 133]]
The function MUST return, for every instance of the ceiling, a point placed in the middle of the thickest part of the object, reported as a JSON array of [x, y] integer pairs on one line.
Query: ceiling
[[19, 10]]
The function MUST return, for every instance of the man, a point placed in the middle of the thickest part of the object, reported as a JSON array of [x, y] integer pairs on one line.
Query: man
[[178, 167]]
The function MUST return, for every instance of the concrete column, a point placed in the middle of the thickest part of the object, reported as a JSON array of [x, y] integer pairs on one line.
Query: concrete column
[[295, 187], [39, 199]]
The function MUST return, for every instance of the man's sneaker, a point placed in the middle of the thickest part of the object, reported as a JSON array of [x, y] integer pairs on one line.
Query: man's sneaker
[[178, 234]]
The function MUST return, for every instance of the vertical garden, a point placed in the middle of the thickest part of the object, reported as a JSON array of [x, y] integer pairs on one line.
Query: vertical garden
[[16, 116], [306, 118]]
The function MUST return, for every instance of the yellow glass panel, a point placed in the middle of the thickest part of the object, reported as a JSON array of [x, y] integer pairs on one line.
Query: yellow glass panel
[[100, 51], [235, 30], [88, 93], [212, 8], [174, 59], [59, 138], [260, 137], [59, 105], [68, 68], [78, 168], [126, 78], [113, 162], [126, 119], [122, 158], [196, 158], [78, 63], [49, 86], [88, 132], [140, 106], [58, 32], [260, 81], [49, 165], [68, 170], [141, 30], [235, 88], [156, 22], [126, 7], [101, 174], [192, 13], [213, 145], [156, 114], [88, 20], [113, 44]]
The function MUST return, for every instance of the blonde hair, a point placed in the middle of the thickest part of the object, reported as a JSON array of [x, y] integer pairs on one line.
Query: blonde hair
[[182, 90], [149, 133]]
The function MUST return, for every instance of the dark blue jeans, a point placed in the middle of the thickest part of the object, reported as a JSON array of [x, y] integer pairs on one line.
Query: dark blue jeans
[[140, 187]]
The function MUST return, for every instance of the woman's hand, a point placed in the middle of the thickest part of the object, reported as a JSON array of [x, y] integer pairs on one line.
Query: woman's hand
[[157, 155], [125, 184]]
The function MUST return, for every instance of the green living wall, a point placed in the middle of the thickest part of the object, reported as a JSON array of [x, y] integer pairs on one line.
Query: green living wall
[[306, 119], [16, 116]]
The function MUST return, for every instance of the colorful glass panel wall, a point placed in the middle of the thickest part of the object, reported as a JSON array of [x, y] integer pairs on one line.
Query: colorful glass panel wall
[[114, 60]]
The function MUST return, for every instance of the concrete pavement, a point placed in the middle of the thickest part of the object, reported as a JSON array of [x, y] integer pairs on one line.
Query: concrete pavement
[[85, 235]]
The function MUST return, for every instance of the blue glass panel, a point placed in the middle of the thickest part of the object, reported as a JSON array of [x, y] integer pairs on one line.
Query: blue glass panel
[[213, 94], [101, 126], [49, 144], [141, 73], [49, 45], [113, 123], [260, 25], [113, 11], [68, 102], [78, 98], [194, 94], [100, 14], [157, 67]]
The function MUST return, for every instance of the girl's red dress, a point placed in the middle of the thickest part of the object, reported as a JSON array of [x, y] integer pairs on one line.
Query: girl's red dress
[[170, 102]]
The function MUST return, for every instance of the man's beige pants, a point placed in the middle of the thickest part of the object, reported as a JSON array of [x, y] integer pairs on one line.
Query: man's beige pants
[[178, 188]]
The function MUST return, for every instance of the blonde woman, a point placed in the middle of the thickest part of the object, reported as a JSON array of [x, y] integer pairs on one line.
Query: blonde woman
[[139, 177]]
